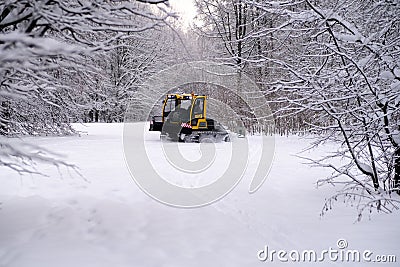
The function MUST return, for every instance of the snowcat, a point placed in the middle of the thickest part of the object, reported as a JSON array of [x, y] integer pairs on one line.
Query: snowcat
[[184, 119]]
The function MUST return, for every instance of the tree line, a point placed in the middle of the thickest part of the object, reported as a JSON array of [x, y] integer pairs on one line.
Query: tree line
[[328, 68]]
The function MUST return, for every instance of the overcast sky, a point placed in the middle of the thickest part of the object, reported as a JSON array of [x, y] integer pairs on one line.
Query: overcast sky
[[186, 10]]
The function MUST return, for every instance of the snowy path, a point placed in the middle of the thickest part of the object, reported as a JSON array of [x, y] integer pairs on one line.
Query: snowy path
[[63, 220]]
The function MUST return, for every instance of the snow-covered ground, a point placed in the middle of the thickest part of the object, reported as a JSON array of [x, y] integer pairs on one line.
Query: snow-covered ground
[[104, 219]]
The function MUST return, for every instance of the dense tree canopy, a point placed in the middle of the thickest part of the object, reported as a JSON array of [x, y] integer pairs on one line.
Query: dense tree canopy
[[328, 68]]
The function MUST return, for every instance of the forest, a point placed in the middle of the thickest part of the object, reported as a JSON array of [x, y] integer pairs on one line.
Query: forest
[[330, 69]]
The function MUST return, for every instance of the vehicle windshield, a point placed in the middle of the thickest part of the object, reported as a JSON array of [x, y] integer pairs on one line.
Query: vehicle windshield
[[170, 105], [186, 103]]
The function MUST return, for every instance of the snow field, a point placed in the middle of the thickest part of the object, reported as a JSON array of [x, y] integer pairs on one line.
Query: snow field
[[104, 219]]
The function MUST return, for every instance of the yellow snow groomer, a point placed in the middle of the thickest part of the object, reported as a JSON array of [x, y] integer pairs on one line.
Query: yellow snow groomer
[[184, 118]]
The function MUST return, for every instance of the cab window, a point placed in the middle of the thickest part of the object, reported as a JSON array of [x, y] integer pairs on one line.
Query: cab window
[[198, 108], [170, 105]]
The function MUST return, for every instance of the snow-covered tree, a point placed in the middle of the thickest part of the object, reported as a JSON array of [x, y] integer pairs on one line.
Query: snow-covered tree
[[333, 68], [346, 71], [227, 23], [47, 50], [238, 30]]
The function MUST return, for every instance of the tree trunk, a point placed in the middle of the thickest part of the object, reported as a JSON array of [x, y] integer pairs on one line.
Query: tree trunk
[[4, 117], [396, 178]]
